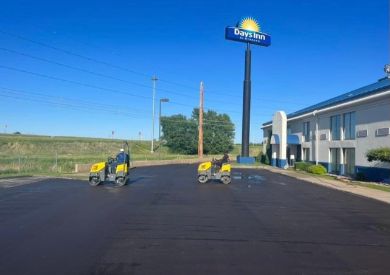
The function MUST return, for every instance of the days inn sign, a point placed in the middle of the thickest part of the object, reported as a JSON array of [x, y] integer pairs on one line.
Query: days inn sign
[[248, 31]]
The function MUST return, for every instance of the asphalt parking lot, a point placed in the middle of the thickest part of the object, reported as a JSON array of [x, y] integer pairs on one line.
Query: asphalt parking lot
[[163, 222]]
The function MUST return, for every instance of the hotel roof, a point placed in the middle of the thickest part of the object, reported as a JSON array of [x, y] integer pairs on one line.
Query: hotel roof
[[377, 87]]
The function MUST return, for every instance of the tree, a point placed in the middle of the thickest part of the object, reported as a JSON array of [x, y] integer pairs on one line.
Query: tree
[[181, 134], [380, 154], [218, 132]]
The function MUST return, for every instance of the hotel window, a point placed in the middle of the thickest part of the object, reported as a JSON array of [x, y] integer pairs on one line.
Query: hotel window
[[335, 127], [306, 130], [349, 125]]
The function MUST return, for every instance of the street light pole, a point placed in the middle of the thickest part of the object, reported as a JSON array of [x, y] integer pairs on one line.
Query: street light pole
[[154, 79], [159, 117]]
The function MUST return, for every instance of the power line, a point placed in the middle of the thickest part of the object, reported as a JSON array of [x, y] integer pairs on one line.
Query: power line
[[102, 75], [67, 105], [72, 53], [90, 59], [71, 81], [93, 86], [82, 84], [85, 57], [61, 99], [18, 94], [116, 66], [89, 71], [27, 96], [72, 67]]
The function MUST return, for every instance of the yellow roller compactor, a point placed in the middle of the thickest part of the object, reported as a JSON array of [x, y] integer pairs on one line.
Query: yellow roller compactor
[[114, 170], [215, 170]]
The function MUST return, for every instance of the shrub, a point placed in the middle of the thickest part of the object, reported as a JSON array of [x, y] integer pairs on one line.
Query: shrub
[[265, 159], [381, 154], [302, 166], [317, 169]]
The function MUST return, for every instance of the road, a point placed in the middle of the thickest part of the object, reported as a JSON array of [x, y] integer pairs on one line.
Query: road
[[166, 223]]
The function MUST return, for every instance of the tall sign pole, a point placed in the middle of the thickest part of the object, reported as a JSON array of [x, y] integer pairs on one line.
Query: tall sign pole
[[246, 109], [200, 138], [247, 31]]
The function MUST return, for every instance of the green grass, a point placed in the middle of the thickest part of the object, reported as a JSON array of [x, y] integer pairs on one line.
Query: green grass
[[380, 187], [371, 185], [254, 150], [45, 155], [328, 177]]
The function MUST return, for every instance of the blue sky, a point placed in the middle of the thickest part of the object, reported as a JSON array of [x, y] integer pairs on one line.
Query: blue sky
[[83, 68]]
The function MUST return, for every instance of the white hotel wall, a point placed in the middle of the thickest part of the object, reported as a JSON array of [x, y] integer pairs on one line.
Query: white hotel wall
[[369, 116]]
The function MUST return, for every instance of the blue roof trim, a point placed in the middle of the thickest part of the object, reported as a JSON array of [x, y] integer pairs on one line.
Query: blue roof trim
[[293, 140], [371, 89]]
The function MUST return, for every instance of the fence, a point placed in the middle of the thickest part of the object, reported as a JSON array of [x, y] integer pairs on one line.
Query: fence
[[53, 155], [66, 163]]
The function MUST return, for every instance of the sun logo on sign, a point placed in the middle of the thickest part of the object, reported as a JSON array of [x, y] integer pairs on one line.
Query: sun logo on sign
[[249, 24]]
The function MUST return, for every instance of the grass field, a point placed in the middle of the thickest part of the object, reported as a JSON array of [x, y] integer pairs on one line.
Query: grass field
[[31, 155]]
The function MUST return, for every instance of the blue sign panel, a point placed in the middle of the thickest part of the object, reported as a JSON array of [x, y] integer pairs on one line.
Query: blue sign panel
[[242, 35]]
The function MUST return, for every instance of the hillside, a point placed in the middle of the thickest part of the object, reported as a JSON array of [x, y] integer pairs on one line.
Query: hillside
[[45, 154], [30, 154]]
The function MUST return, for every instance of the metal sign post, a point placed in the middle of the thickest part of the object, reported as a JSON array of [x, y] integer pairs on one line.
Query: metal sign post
[[246, 109], [248, 31]]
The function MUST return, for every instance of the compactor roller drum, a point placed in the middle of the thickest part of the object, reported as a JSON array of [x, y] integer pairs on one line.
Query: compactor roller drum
[[212, 170], [115, 170]]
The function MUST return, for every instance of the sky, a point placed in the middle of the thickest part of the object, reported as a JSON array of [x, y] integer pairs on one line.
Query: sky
[[84, 68]]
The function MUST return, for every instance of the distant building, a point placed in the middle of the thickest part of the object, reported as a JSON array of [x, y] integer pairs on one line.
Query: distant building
[[336, 133]]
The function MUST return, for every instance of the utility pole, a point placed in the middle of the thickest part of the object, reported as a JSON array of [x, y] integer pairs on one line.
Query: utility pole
[[154, 79], [200, 139]]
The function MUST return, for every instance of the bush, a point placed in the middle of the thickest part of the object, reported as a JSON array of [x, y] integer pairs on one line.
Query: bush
[[264, 159], [381, 154], [302, 166], [317, 169]]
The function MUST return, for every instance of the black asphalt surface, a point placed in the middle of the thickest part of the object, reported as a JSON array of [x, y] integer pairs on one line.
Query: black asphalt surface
[[166, 223]]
